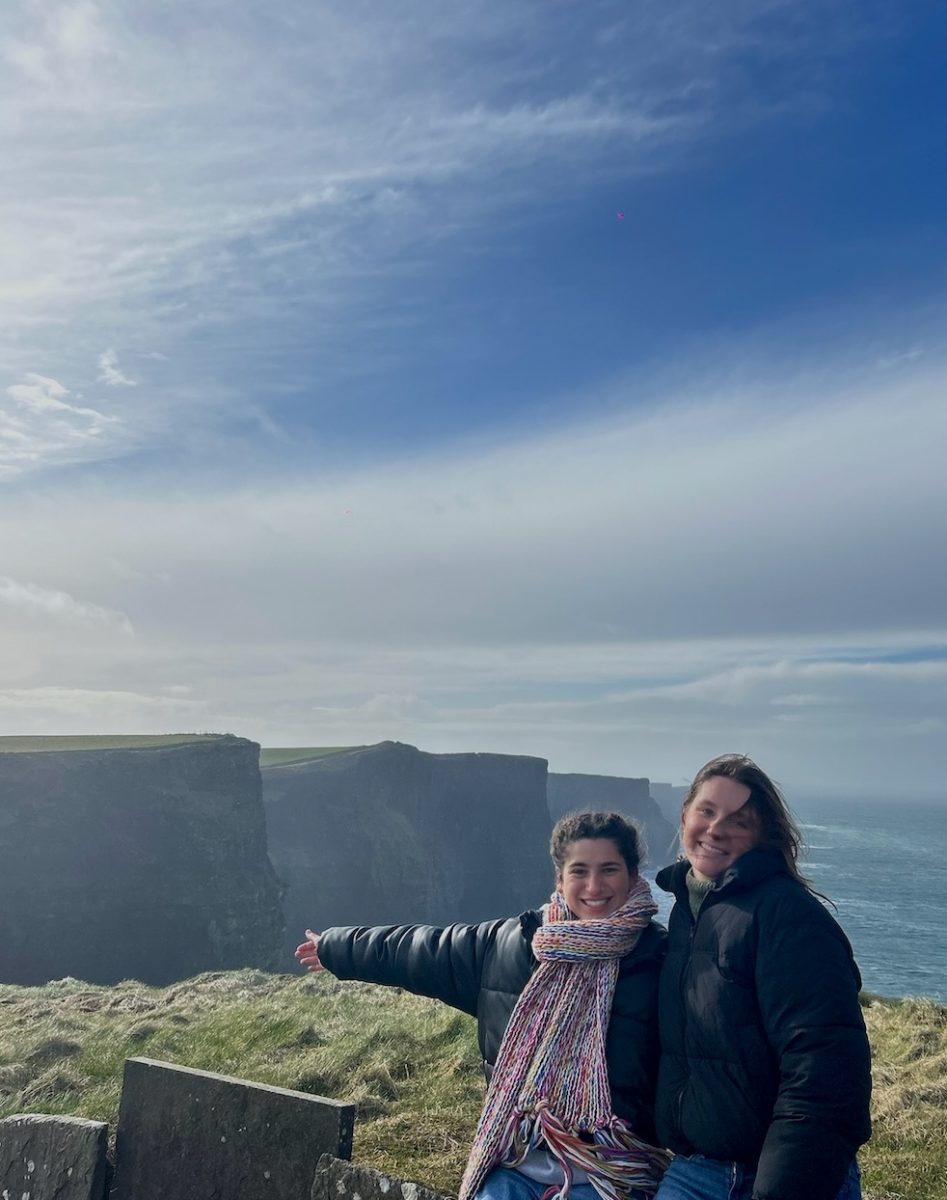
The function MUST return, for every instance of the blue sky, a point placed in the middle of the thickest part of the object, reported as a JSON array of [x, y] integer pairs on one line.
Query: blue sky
[[553, 378]]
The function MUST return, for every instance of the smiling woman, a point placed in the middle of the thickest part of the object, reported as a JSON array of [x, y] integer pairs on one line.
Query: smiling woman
[[765, 1076], [565, 1001], [718, 826]]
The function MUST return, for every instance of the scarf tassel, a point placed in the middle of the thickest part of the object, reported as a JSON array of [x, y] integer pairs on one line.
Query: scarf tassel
[[616, 1161]]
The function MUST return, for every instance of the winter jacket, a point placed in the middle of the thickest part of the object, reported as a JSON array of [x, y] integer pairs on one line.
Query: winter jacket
[[764, 1055], [481, 969]]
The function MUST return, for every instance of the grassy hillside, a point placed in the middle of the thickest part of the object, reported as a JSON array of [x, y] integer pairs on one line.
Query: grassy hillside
[[285, 756], [410, 1064], [105, 741]]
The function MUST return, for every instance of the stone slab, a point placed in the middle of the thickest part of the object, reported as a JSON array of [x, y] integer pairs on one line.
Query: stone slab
[[192, 1135], [338, 1180], [52, 1158]]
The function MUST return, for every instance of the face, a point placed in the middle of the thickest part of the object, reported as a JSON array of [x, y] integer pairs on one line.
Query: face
[[595, 879], [717, 827]]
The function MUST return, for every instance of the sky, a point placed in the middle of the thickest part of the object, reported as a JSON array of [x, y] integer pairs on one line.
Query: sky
[[553, 377]]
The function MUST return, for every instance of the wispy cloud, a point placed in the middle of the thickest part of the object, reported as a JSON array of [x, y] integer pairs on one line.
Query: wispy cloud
[[184, 182], [59, 606], [903, 357], [50, 709], [41, 428], [111, 373]]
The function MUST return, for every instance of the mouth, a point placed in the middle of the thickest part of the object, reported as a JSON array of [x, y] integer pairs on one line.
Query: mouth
[[705, 848], [597, 904]]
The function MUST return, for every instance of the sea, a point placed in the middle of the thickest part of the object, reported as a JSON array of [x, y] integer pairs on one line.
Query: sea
[[884, 865]]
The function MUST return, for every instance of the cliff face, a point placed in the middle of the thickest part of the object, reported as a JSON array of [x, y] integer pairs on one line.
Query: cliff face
[[144, 863], [631, 797], [669, 798], [388, 834]]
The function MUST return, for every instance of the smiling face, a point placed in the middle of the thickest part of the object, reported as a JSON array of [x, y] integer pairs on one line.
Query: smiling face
[[594, 879], [718, 826]]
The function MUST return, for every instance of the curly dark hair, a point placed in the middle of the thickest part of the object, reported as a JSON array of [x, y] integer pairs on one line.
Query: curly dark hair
[[575, 826]]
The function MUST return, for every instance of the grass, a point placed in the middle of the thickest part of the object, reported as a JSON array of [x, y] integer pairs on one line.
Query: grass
[[31, 745], [409, 1064], [286, 756]]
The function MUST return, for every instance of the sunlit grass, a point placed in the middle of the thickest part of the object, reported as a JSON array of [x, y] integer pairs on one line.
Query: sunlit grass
[[284, 756], [409, 1064], [33, 745]]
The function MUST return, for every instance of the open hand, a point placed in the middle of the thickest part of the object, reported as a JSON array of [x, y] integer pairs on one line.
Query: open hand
[[308, 952]]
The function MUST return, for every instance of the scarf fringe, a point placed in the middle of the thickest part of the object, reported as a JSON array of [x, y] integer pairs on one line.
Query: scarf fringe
[[616, 1161]]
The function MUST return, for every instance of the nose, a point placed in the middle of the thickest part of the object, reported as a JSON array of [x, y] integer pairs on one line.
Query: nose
[[717, 827]]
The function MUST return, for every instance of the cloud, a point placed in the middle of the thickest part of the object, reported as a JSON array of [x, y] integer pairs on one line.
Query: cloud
[[111, 373], [43, 429], [184, 182], [50, 709], [630, 595], [41, 395], [886, 362], [60, 606]]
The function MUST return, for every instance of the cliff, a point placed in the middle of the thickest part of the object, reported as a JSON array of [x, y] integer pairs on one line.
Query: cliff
[[389, 834], [631, 797], [669, 798], [139, 858]]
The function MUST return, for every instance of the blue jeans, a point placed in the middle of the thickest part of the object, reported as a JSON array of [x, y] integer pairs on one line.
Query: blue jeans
[[694, 1177], [503, 1183]]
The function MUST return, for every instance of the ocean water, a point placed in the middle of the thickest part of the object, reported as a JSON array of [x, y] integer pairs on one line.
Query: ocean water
[[885, 867]]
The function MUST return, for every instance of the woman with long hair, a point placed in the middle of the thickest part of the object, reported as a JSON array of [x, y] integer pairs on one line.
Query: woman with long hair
[[765, 1072]]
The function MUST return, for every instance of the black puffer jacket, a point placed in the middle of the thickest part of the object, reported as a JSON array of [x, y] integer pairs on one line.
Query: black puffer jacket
[[764, 1055], [481, 969]]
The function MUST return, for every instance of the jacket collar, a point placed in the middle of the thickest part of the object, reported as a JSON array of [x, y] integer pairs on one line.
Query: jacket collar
[[749, 869]]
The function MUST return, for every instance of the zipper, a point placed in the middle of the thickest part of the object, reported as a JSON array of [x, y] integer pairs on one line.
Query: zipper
[[679, 1101]]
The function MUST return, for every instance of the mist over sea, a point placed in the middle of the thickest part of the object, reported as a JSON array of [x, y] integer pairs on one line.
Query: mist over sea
[[885, 867]]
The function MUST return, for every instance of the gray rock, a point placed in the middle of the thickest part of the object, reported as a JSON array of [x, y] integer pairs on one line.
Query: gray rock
[[603, 793], [388, 834], [191, 1135], [52, 1158], [146, 863], [338, 1180]]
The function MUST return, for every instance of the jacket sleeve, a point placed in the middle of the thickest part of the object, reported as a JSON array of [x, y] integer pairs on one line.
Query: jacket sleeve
[[445, 964], [807, 988]]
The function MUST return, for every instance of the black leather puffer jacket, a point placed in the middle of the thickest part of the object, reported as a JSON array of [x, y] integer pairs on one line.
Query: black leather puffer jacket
[[481, 969], [764, 1055]]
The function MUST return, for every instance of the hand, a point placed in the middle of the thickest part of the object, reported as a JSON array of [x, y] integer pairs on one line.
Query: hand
[[308, 952]]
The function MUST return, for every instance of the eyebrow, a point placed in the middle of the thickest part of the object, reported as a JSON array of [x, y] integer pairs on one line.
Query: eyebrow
[[612, 862]]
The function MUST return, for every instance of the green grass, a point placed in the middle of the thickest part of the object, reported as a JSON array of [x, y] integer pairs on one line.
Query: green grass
[[31, 745], [409, 1064], [286, 756]]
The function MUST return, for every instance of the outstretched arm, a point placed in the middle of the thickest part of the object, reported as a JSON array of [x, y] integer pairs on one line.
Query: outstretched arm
[[445, 964]]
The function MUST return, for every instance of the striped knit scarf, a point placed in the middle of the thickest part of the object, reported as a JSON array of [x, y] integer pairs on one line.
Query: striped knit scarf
[[550, 1083]]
